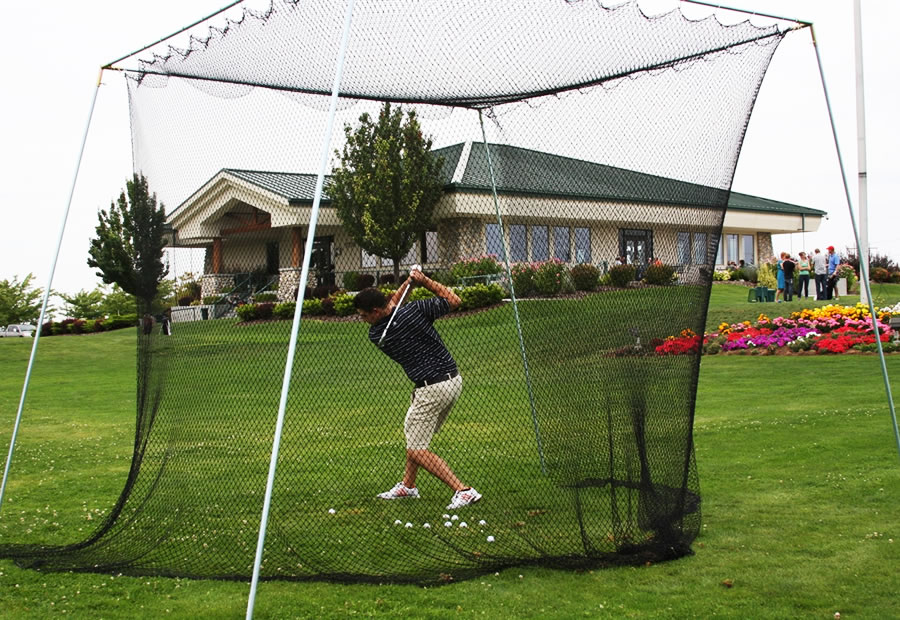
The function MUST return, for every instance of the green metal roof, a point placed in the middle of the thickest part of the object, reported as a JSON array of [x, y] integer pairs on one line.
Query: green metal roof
[[520, 171]]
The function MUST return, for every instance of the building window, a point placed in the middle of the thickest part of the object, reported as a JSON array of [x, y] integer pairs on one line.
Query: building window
[[684, 248], [582, 245], [562, 243], [747, 247], [367, 260], [493, 240], [540, 246], [699, 248], [720, 252], [518, 245], [430, 247], [410, 257], [732, 247]]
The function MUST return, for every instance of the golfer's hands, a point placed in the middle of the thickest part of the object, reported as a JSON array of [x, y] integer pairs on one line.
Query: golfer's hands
[[417, 277]]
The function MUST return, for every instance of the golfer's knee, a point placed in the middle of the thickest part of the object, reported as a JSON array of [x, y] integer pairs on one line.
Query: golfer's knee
[[416, 455]]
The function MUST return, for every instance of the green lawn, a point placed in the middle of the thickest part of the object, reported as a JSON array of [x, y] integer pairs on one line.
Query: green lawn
[[796, 460]]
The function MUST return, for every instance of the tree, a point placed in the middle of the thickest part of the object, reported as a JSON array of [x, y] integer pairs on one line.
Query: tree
[[19, 302], [117, 302], [387, 184], [84, 304], [128, 249]]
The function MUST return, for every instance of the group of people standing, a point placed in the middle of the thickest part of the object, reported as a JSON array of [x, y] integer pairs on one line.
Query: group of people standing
[[821, 266]]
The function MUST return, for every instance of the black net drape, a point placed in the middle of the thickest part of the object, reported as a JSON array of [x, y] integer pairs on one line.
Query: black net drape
[[580, 231]]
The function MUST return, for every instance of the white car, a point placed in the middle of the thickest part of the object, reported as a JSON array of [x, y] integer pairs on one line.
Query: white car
[[17, 331]]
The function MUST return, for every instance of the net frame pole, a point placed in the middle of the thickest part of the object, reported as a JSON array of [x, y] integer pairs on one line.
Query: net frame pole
[[512, 294], [298, 310], [37, 334], [863, 264]]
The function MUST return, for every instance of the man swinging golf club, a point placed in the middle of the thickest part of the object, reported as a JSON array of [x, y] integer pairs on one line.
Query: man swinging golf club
[[406, 334]]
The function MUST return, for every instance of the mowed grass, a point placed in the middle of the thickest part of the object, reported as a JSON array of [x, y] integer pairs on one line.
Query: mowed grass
[[796, 459]]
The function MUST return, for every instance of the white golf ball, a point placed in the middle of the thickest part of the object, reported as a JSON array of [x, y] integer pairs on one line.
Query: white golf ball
[[490, 539], [398, 522], [408, 524], [447, 524], [446, 516], [454, 518], [416, 268], [463, 524], [331, 511], [426, 525], [482, 522]]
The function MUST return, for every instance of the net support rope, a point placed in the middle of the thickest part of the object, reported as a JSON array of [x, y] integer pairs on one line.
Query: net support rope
[[512, 294], [863, 263], [37, 333], [298, 310]]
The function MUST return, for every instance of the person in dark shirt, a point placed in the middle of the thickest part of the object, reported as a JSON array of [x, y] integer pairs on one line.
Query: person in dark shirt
[[788, 265], [412, 342]]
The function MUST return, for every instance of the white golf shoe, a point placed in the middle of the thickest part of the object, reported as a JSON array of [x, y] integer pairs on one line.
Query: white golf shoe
[[399, 491], [463, 498]]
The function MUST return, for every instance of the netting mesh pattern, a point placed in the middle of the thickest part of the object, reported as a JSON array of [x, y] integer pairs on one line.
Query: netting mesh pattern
[[609, 136]]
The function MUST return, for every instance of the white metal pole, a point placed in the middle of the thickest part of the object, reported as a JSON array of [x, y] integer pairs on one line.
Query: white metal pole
[[298, 311], [863, 266], [863, 207], [37, 333]]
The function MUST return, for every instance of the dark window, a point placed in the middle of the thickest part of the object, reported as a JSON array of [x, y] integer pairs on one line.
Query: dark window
[[561, 242], [582, 245], [540, 246], [493, 240], [518, 246], [272, 262], [636, 246]]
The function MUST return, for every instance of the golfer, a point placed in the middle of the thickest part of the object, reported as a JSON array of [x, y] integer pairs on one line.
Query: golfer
[[412, 342]]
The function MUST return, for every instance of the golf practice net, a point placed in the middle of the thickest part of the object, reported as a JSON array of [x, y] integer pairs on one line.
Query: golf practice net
[[570, 138]]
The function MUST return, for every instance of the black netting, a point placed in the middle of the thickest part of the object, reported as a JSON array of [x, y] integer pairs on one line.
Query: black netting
[[610, 137]]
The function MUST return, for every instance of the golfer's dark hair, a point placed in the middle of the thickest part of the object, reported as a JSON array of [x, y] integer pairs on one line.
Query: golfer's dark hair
[[369, 299]]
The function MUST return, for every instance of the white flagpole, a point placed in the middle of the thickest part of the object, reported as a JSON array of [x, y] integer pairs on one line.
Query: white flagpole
[[863, 249], [295, 327]]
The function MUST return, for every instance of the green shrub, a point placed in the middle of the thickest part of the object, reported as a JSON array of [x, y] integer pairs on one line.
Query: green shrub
[[482, 266], [585, 277], [444, 277], [523, 279], [895, 277], [351, 281], [343, 305], [419, 294], [712, 348], [246, 312], [479, 296], [621, 275], [120, 322], [284, 310], [211, 300], [548, 277], [880, 274], [659, 273], [721, 275], [311, 307], [767, 275], [605, 280], [751, 273], [262, 298]]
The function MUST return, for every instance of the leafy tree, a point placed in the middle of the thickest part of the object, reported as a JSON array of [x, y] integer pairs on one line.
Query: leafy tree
[[387, 183], [117, 302], [128, 249], [84, 304], [19, 301]]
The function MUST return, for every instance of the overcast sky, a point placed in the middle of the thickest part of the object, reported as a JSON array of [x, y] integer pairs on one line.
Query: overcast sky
[[52, 50]]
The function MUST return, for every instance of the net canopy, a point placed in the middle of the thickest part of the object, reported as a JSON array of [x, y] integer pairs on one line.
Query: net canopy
[[585, 158]]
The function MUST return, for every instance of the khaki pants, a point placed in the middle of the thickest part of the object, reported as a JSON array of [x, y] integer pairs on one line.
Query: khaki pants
[[428, 411]]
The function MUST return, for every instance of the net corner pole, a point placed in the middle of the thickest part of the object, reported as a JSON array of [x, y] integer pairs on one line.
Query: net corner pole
[[512, 292], [863, 266], [298, 309], [44, 302]]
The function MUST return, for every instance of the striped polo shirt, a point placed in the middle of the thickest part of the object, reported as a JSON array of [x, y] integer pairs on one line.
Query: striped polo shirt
[[412, 340]]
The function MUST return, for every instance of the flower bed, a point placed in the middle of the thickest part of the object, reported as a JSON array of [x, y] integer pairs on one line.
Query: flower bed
[[829, 329]]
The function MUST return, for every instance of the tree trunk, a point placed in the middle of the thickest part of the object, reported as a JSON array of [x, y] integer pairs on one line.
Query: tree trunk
[[397, 270]]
